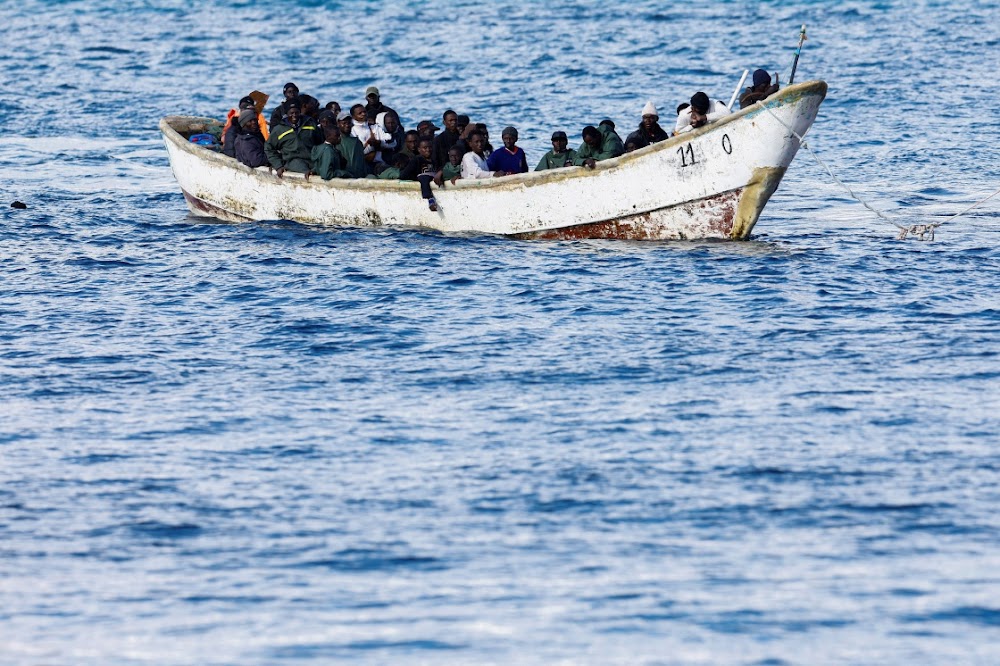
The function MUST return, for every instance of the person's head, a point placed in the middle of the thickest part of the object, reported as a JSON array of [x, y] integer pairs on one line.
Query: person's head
[[371, 94], [333, 106], [681, 107], [761, 80], [649, 116], [455, 155], [425, 148], [450, 119], [630, 146], [293, 110], [476, 142], [608, 122], [391, 122], [310, 105], [399, 160], [290, 90], [344, 122], [461, 122], [248, 120], [331, 133], [326, 118], [426, 128], [559, 142], [410, 141], [699, 109], [358, 113], [482, 129], [246, 103], [591, 136], [509, 136]]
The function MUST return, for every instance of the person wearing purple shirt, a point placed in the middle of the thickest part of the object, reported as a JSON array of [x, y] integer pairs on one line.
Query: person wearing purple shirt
[[510, 158]]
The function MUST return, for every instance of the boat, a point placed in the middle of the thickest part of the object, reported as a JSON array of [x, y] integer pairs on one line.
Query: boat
[[708, 183]]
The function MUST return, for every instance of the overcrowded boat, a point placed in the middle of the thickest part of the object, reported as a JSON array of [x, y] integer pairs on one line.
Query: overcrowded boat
[[711, 182]]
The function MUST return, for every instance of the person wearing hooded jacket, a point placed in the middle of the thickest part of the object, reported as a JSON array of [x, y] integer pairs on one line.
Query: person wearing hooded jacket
[[291, 143], [599, 143], [248, 144]]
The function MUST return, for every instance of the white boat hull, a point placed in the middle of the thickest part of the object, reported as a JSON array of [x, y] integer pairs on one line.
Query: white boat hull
[[709, 183]]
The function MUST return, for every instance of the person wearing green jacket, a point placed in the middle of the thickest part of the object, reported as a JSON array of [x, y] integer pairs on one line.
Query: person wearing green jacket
[[599, 144], [326, 159], [561, 154], [290, 145], [351, 148]]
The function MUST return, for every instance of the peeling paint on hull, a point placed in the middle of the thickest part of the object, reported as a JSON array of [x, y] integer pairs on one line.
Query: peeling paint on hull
[[710, 183]]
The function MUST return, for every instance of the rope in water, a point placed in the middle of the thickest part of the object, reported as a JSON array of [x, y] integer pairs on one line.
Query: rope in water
[[921, 231]]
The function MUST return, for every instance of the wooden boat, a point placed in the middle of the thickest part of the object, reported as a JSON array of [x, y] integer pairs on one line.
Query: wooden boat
[[712, 182]]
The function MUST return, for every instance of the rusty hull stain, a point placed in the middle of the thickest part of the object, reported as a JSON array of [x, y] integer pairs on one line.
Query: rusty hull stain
[[646, 226]]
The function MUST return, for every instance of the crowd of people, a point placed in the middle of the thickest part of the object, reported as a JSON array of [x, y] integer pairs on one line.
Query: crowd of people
[[369, 141]]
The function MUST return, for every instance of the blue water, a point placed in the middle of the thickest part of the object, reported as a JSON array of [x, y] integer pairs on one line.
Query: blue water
[[268, 443]]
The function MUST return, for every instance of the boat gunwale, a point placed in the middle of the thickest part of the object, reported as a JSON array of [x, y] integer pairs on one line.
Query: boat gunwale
[[530, 179]]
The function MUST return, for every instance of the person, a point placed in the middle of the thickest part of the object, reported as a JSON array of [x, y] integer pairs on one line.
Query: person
[[760, 90], [248, 144], [421, 169], [232, 127], [387, 142], [395, 130], [631, 145], [474, 162], [291, 143], [598, 145], [310, 109], [374, 104], [410, 141], [334, 107], [649, 129], [326, 159], [451, 171], [487, 146], [350, 148], [701, 112], [395, 168], [363, 131], [560, 156], [446, 139], [510, 158], [426, 128], [290, 91]]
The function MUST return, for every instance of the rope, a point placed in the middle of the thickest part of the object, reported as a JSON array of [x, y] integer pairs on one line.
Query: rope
[[920, 231]]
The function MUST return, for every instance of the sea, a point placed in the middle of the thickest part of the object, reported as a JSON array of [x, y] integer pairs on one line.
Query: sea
[[271, 443]]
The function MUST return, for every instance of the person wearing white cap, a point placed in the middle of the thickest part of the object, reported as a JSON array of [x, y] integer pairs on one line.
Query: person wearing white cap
[[649, 128]]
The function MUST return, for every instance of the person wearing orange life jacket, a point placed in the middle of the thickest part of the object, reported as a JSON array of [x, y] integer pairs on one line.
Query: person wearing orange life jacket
[[232, 127]]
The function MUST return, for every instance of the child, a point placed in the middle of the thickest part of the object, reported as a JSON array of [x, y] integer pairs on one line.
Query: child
[[452, 171]]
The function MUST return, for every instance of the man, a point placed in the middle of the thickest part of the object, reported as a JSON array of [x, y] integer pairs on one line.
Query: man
[[291, 143], [248, 145], [760, 90], [510, 158], [326, 159], [598, 144], [474, 162], [426, 128], [374, 104], [410, 141], [701, 112], [396, 135], [649, 129], [446, 139], [560, 156], [290, 91], [350, 148], [421, 169], [232, 127], [363, 130]]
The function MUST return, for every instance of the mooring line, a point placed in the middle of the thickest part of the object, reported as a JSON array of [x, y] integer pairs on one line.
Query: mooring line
[[920, 231]]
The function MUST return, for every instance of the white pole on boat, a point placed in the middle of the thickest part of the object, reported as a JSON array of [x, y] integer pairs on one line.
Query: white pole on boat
[[739, 87]]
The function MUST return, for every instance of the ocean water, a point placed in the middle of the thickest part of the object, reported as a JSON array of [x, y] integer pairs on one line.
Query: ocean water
[[269, 443]]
